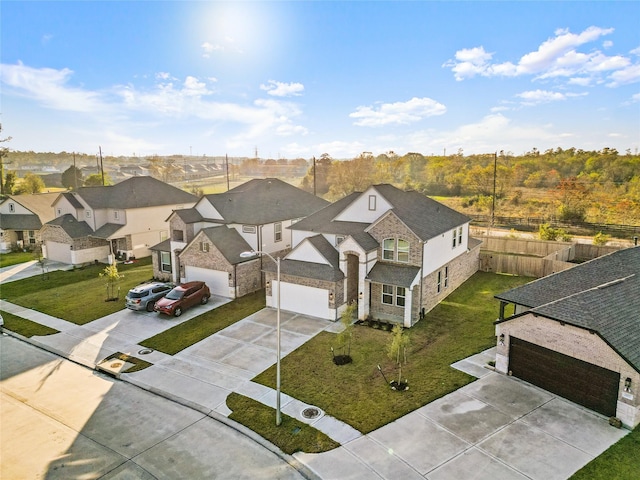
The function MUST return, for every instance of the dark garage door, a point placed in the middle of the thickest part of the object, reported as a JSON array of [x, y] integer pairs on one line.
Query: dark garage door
[[584, 383]]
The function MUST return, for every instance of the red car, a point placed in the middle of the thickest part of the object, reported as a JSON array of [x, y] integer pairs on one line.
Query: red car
[[182, 297]]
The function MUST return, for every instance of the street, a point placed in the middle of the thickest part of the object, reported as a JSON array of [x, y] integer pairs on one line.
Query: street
[[62, 420]]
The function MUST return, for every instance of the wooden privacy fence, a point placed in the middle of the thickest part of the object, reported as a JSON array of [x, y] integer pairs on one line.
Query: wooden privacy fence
[[534, 258]]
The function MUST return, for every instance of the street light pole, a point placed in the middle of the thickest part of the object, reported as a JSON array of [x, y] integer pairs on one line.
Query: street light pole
[[277, 262]]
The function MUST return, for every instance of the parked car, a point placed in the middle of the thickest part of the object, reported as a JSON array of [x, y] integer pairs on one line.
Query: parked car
[[144, 297], [182, 297]]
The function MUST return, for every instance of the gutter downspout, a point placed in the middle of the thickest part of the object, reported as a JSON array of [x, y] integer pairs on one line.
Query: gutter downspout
[[421, 280]]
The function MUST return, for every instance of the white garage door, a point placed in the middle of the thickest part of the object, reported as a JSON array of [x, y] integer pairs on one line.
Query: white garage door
[[217, 281], [58, 252], [301, 299]]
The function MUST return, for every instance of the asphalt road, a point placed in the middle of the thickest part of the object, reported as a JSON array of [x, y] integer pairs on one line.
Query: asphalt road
[[61, 420]]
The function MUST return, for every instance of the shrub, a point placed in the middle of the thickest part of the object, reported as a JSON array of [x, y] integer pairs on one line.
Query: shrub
[[601, 239]]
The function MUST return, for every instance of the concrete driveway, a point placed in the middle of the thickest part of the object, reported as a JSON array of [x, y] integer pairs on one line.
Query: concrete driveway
[[495, 428]]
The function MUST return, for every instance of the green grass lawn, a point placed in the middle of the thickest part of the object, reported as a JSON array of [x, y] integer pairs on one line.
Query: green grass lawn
[[14, 258], [621, 461], [25, 327], [358, 394], [291, 436], [77, 296], [184, 335]]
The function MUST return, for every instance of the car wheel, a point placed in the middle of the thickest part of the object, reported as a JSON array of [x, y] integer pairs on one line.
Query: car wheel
[[150, 306], [177, 312], [204, 300]]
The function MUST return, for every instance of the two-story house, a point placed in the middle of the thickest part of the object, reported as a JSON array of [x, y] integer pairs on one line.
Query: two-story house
[[396, 253], [22, 217], [206, 241], [122, 220]]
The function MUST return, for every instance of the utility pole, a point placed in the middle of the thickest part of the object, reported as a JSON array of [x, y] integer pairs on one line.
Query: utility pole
[[314, 175], [493, 205], [226, 162], [101, 166], [75, 173]]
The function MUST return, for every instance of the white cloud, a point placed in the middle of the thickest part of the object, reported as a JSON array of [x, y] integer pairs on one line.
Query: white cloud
[[635, 98], [534, 97], [630, 74], [279, 89], [209, 48], [50, 87], [400, 113], [556, 57]]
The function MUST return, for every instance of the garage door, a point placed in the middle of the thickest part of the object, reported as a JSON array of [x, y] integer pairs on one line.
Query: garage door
[[583, 383], [58, 252], [306, 300], [217, 281]]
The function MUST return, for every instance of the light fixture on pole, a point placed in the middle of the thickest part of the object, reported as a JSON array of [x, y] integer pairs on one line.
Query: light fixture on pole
[[252, 253]]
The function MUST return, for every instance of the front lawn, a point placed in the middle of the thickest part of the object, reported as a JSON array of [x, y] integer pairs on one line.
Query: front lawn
[[14, 258], [357, 393], [185, 334], [620, 461], [25, 327], [78, 295]]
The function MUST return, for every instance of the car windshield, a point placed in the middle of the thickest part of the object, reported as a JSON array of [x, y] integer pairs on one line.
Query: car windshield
[[175, 294]]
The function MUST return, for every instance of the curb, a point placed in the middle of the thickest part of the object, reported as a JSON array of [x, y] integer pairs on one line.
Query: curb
[[302, 469]]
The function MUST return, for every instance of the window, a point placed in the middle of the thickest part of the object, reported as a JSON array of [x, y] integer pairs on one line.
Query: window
[[12, 208], [164, 235], [460, 236], [339, 239], [395, 250], [32, 236], [403, 250], [87, 213], [372, 202], [388, 248], [204, 247], [248, 229], [446, 277], [455, 237], [387, 294], [439, 281], [116, 214], [178, 236], [394, 295], [165, 261], [400, 296], [277, 232]]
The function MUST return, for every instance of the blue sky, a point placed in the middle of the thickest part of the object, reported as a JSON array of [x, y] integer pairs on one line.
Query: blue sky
[[299, 79]]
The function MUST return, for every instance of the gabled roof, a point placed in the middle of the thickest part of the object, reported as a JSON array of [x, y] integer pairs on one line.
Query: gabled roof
[[134, 192], [71, 226], [602, 295], [163, 246], [19, 221], [318, 271], [228, 242], [424, 216], [38, 203], [262, 201]]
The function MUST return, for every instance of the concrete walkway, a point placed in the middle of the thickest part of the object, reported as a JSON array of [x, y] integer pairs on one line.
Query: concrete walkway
[[495, 428]]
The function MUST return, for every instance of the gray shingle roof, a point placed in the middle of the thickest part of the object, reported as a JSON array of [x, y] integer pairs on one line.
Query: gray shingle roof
[[424, 216], [106, 230], [326, 250], [164, 246], [19, 221], [602, 295], [229, 242], [135, 192], [262, 201], [392, 274], [71, 226], [40, 204]]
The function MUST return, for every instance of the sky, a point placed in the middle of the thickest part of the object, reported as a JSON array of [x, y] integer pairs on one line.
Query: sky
[[301, 79]]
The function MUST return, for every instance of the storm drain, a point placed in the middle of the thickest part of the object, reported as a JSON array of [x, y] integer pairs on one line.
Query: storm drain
[[311, 412], [145, 351]]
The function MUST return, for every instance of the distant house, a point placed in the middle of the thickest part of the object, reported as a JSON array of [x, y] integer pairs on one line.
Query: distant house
[[395, 254], [576, 333], [125, 220], [22, 217], [206, 240]]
